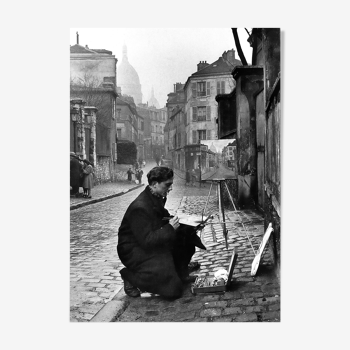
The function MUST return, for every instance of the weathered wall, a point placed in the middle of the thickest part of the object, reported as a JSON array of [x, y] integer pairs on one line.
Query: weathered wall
[[103, 170], [248, 83], [260, 141], [273, 177]]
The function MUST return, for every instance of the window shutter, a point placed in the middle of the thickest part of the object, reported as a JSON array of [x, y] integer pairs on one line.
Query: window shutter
[[218, 88], [208, 135], [222, 87], [208, 113], [194, 114], [194, 136], [194, 89], [208, 88]]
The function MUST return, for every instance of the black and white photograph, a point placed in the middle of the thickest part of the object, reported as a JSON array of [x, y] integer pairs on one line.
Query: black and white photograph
[[207, 175], [175, 181]]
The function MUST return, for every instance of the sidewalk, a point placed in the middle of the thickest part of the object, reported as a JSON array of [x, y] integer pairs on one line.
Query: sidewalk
[[102, 192], [250, 298]]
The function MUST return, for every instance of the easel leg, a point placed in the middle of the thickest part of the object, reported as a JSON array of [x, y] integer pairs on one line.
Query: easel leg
[[222, 210], [240, 218]]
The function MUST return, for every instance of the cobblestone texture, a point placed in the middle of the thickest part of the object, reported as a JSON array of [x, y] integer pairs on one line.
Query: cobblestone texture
[[95, 265]]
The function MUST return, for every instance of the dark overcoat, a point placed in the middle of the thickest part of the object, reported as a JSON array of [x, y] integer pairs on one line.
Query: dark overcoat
[[151, 249], [76, 171]]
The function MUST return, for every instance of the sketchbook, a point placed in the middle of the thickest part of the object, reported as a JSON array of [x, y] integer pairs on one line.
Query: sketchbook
[[192, 220]]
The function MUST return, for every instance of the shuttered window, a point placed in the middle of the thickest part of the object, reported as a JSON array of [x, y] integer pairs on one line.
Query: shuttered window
[[208, 88], [194, 114], [194, 136], [201, 89], [201, 115], [208, 113], [194, 89], [202, 134], [220, 87]]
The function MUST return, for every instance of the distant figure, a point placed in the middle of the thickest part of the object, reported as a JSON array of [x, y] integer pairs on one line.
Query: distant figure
[[76, 173], [130, 172], [188, 178], [139, 174], [88, 178], [136, 165], [193, 178], [157, 159]]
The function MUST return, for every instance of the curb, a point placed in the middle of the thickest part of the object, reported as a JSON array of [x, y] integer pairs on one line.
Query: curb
[[113, 309], [93, 201]]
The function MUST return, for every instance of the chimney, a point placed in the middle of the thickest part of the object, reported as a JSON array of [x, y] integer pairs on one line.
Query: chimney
[[77, 38], [201, 65], [178, 87], [231, 56]]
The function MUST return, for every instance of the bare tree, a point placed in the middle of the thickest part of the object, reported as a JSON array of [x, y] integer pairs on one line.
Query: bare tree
[[90, 89]]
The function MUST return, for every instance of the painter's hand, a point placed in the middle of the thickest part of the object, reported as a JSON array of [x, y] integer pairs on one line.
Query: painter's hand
[[174, 222]]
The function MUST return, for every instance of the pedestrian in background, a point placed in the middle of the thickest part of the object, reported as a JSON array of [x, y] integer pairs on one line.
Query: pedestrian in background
[[139, 175], [76, 171], [88, 178], [188, 177], [193, 178], [130, 172]]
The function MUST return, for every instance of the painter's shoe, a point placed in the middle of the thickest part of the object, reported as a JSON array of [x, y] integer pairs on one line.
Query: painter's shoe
[[130, 290]]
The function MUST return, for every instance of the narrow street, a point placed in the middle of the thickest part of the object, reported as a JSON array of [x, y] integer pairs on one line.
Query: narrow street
[[95, 266]]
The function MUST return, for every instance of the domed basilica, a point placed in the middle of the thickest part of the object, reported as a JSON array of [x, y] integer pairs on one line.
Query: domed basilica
[[128, 79]]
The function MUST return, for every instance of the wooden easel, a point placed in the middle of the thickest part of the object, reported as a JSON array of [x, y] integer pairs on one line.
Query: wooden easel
[[220, 183], [260, 252]]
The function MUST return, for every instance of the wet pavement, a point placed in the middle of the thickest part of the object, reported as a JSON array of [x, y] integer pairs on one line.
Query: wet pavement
[[96, 284]]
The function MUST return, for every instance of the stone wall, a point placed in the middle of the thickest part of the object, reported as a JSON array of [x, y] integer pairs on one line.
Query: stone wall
[[103, 170]]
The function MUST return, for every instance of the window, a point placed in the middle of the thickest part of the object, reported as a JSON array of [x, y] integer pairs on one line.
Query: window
[[201, 113], [200, 89], [202, 134], [178, 140], [119, 133], [220, 87]]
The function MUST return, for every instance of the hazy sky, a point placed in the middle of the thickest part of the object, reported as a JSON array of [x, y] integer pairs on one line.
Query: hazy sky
[[163, 56]]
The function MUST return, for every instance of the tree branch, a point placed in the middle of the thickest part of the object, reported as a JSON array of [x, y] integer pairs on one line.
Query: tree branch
[[238, 46]]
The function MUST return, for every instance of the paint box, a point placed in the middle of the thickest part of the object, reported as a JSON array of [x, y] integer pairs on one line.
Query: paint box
[[209, 281]]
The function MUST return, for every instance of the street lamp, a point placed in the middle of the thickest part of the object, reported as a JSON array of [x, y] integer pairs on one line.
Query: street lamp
[[74, 117]]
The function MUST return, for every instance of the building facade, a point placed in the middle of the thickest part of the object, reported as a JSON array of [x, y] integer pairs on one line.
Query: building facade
[[130, 124], [93, 80], [251, 113], [192, 110], [176, 136]]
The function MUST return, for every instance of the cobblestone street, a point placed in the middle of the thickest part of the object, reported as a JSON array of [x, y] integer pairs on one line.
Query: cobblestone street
[[95, 266]]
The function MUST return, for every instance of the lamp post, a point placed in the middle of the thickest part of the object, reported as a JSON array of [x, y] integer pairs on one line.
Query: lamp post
[[74, 117]]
